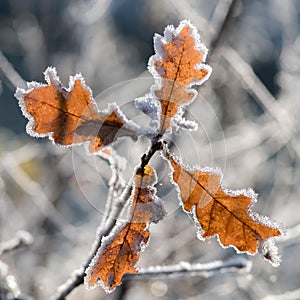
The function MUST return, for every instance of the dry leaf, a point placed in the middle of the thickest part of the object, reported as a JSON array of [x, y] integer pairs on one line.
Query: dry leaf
[[70, 116], [120, 251], [177, 66], [222, 212]]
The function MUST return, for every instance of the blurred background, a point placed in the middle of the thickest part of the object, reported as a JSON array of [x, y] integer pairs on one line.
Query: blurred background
[[248, 116]]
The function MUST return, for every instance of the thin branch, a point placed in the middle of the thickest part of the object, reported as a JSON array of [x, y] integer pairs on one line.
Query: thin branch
[[254, 85], [77, 276], [184, 269], [290, 295], [116, 184], [21, 239], [222, 18], [156, 145], [65, 289], [9, 288], [10, 73]]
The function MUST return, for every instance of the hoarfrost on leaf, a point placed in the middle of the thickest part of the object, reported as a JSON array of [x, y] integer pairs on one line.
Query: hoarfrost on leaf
[[221, 212], [69, 116], [120, 251], [177, 66]]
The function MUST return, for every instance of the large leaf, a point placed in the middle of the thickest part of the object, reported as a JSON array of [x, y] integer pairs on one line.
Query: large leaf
[[120, 251], [70, 116], [177, 66], [223, 212]]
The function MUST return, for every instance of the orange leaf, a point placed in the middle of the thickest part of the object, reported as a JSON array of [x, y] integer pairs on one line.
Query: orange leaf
[[222, 212], [177, 66], [70, 116], [120, 252]]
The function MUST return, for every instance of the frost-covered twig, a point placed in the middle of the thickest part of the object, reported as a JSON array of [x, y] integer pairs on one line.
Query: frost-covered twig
[[77, 276], [76, 279], [22, 238], [10, 73], [184, 269], [255, 86], [9, 288], [116, 184], [290, 295], [292, 233], [221, 20]]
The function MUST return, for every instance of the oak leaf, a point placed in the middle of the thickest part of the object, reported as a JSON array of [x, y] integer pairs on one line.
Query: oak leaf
[[121, 250], [222, 212], [70, 116], [177, 66]]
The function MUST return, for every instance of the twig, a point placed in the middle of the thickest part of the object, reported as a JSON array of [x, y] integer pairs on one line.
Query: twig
[[10, 73], [9, 288], [65, 289], [240, 66], [292, 233], [272, 107], [21, 239], [290, 295], [184, 268], [76, 278], [222, 18], [250, 80], [171, 272], [116, 185]]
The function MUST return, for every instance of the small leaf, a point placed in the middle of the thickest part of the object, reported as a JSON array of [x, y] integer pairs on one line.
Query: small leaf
[[177, 66], [222, 212], [121, 250], [70, 116]]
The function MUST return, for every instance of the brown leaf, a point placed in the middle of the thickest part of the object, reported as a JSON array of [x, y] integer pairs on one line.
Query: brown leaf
[[120, 252], [222, 212], [70, 116], [179, 64]]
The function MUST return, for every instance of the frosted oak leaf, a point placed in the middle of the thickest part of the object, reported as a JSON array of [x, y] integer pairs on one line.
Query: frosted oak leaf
[[121, 250], [222, 212], [70, 116], [177, 66]]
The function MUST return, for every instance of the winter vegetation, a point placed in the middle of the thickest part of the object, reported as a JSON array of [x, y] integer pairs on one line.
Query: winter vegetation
[[241, 127]]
